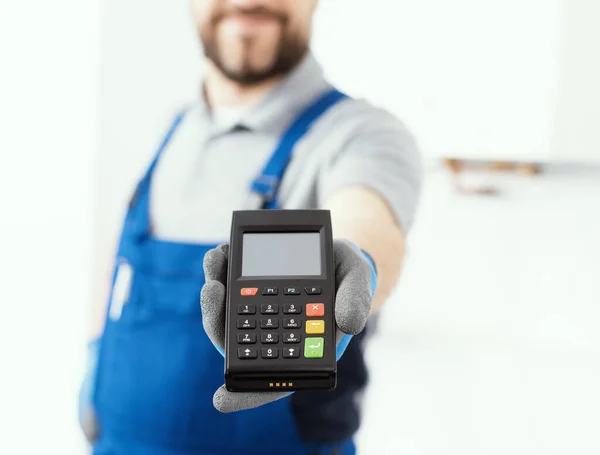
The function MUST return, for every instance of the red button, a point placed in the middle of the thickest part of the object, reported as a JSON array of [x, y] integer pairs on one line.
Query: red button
[[249, 291], [315, 309]]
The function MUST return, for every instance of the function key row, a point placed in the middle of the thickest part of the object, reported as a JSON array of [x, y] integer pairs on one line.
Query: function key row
[[270, 308], [269, 323], [310, 290], [268, 338]]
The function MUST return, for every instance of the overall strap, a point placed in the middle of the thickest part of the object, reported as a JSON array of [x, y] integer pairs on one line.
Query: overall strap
[[267, 183], [138, 216]]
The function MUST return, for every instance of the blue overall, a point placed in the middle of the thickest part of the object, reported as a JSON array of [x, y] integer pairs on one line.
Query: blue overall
[[157, 369]]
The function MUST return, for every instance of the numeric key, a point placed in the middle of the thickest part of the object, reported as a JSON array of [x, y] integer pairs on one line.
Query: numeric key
[[269, 308], [270, 353], [269, 323], [291, 337], [246, 323], [269, 338], [246, 338], [291, 308], [292, 323], [247, 309]]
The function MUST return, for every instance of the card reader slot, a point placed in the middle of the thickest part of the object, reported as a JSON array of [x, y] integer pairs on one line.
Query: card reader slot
[[284, 381], [282, 374]]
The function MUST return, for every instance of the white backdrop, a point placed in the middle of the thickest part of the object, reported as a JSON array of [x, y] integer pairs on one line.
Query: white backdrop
[[471, 78], [578, 102], [48, 138]]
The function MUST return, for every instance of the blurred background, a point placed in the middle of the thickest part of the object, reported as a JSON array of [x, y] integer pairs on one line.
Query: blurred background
[[491, 344]]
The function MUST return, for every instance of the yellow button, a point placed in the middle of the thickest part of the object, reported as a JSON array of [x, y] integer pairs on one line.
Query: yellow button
[[315, 327]]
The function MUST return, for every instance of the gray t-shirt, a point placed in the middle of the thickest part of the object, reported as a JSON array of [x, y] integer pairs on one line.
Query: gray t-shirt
[[206, 171]]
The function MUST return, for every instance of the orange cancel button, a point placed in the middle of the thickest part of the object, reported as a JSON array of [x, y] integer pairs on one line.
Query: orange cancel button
[[249, 291], [315, 309]]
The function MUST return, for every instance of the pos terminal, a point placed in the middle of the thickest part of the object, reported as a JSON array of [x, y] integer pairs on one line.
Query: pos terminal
[[280, 332]]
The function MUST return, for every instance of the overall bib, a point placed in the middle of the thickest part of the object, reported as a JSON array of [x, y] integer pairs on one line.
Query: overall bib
[[157, 369]]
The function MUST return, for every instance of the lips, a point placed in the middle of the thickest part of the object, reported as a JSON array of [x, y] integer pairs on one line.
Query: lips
[[256, 16], [251, 19]]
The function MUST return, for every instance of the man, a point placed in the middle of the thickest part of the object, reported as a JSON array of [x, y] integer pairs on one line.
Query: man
[[268, 132]]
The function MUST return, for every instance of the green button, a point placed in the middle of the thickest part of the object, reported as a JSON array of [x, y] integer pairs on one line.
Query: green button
[[313, 348]]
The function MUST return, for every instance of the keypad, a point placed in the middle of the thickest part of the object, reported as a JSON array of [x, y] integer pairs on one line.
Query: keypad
[[303, 323], [269, 308]]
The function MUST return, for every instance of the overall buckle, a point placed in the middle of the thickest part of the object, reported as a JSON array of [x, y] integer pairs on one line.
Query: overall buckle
[[266, 186]]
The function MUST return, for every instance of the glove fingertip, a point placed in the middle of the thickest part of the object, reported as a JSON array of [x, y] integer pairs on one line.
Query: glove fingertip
[[224, 248], [353, 306], [220, 401], [226, 402], [351, 324], [355, 289]]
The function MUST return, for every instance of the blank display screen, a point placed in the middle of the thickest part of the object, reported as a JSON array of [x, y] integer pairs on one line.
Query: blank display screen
[[281, 254]]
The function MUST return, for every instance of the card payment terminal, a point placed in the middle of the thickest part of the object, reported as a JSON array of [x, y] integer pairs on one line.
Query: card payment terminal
[[280, 326]]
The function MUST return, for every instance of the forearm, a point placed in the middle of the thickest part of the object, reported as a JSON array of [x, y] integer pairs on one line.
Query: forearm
[[361, 216]]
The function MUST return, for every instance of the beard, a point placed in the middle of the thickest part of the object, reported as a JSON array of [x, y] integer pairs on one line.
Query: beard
[[239, 64]]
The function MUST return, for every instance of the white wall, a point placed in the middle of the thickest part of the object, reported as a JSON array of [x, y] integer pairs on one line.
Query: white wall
[[150, 66], [577, 124], [48, 139], [472, 78]]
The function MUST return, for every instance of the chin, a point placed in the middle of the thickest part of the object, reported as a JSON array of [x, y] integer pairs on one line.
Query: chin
[[253, 60], [247, 75]]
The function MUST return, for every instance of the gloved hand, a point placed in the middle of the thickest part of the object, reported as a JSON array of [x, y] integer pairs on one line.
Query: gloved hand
[[87, 415], [355, 281]]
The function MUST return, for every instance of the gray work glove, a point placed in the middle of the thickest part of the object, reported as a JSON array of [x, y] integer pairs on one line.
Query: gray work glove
[[87, 415], [355, 281]]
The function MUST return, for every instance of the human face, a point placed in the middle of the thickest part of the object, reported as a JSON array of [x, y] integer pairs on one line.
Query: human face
[[251, 41]]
